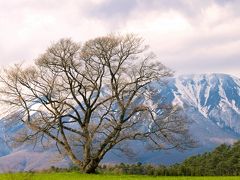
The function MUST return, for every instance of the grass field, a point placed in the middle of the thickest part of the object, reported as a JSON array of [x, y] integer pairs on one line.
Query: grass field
[[74, 176]]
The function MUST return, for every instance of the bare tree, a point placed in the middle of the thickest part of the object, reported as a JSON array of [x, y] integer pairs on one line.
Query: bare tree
[[92, 98]]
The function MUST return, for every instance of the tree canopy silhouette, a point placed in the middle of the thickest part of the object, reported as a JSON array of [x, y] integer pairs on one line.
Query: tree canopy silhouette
[[92, 98]]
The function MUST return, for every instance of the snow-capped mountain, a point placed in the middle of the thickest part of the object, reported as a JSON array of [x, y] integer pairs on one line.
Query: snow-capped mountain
[[215, 98], [212, 102]]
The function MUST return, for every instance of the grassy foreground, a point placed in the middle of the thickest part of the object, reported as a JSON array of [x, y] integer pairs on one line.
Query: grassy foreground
[[74, 176]]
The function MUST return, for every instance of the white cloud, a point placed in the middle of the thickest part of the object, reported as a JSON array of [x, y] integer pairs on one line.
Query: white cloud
[[188, 36]]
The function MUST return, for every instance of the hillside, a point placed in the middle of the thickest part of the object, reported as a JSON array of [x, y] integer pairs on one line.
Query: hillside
[[223, 161]]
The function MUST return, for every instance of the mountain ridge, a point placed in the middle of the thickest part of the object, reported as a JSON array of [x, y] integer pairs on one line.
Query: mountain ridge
[[211, 101]]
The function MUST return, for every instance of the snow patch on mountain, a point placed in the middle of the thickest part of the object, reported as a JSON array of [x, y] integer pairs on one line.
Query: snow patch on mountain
[[216, 97]]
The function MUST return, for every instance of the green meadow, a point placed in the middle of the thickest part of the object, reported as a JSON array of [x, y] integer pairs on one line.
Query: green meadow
[[74, 176]]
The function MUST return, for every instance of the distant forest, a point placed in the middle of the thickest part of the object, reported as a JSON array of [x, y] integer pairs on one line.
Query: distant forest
[[224, 160]]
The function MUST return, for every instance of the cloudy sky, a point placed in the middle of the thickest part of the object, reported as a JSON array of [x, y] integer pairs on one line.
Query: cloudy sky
[[189, 36]]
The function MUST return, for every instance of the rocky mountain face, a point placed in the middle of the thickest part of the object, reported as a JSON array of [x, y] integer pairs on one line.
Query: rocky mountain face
[[216, 97], [212, 102], [209, 100]]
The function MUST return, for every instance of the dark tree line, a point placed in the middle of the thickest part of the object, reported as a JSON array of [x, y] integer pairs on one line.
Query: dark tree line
[[223, 161]]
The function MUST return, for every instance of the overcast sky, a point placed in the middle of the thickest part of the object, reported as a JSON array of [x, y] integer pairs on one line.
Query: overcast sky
[[189, 36]]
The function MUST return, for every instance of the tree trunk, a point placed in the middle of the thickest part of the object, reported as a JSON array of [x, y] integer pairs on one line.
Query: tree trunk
[[91, 167]]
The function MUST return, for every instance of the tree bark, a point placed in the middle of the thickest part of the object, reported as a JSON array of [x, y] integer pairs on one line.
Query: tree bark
[[91, 167]]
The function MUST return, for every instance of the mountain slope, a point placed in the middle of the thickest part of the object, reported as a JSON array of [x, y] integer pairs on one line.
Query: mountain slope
[[212, 104], [216, 97]]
